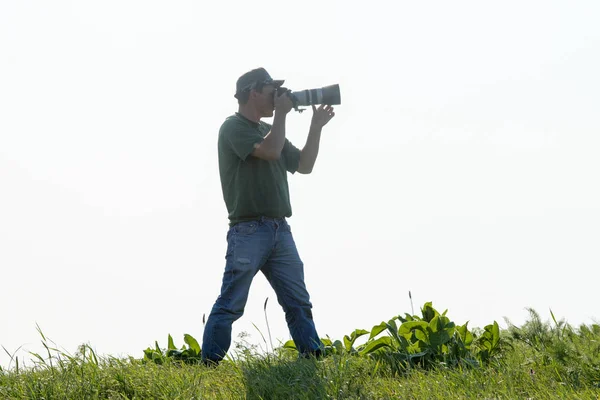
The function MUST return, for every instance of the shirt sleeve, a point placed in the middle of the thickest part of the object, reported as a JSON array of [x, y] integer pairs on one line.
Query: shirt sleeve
[[291, 156], [241, 139]]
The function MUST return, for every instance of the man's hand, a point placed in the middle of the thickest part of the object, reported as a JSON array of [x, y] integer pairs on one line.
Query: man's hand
[[308, 155], [270, 148], [283, 103], [322, 115]]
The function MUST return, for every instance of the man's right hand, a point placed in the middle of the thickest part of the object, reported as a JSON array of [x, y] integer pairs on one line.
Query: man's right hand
[[283, 103]]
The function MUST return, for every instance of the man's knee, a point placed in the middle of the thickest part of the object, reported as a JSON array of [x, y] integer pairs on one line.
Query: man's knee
[[227, 310]]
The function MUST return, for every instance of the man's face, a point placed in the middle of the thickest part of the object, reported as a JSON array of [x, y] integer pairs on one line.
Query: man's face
[[264, 101]]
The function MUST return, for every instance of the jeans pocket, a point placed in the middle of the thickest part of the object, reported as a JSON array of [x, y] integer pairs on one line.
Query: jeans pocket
[[246, 228]]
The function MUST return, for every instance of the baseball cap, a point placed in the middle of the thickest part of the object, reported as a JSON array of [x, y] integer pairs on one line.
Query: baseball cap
[[251, 78]]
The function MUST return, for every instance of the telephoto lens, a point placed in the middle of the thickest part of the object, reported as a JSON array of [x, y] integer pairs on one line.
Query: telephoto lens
[[329, 95]]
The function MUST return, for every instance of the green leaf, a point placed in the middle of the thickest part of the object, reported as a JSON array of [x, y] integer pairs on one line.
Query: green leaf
[[171, 345], [428, 312], [393, 331], [439, 338], [193, 343], [408, 327], [377, 329], [289, 345], [374, 345], [38, 357], [338, 346], [434, 324], [416, 355], [416, 347], [450, 330], [483, 355], [495, 334], [358, 333], [349, 340], [152, 355], [422, 336], [347, 343], [465, 336], [173, 352], [446, 323], [408, 317], [392, 326], [554, 318]]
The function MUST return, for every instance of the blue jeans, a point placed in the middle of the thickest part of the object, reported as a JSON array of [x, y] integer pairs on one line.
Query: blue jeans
[[264, 245]]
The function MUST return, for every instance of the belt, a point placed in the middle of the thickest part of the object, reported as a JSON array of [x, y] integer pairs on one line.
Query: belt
[[263, 218]]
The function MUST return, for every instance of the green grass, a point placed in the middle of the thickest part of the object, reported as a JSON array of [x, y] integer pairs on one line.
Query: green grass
[[536, 361], [286, 377]]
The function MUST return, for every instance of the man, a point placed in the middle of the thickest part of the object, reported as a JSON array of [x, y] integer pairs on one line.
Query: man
[[254, 158]]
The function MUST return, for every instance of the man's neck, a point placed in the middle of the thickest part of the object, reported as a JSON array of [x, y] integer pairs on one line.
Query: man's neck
[[249, 113]]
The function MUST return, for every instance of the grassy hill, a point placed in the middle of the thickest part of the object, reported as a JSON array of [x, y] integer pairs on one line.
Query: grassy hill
[[407, 357]]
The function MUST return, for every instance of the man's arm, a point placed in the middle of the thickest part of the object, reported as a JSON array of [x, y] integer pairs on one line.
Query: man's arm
[[308, 155], [270, 148]]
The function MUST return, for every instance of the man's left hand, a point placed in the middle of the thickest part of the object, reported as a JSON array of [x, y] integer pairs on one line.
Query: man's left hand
[[322, 115]]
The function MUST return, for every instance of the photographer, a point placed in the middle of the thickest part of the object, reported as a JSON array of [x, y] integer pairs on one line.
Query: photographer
[[254, 158]]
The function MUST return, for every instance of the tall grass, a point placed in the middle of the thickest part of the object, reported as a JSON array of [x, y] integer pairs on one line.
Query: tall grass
[[544, 360]]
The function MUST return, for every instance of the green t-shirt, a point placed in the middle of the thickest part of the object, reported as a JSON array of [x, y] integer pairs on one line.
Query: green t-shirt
[[253, 187]]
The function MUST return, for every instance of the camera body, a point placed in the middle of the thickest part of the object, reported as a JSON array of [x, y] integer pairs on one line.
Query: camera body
[[329, 95]]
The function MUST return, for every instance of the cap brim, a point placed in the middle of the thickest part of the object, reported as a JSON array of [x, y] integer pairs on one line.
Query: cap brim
[[275, 83]]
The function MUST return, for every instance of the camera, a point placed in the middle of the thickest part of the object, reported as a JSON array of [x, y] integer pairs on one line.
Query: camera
[[329, 95]]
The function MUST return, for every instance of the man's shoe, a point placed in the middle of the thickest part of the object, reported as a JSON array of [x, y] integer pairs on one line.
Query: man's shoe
[[209, 363]]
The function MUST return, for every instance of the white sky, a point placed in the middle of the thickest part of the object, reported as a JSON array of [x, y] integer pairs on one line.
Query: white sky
[[462, 164]]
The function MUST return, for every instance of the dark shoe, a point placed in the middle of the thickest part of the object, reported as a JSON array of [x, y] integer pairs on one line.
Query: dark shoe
[[209, 363], [317, 354]]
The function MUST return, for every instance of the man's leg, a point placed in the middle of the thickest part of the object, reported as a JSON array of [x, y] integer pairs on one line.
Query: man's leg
[[249, 244], [285, 272]]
